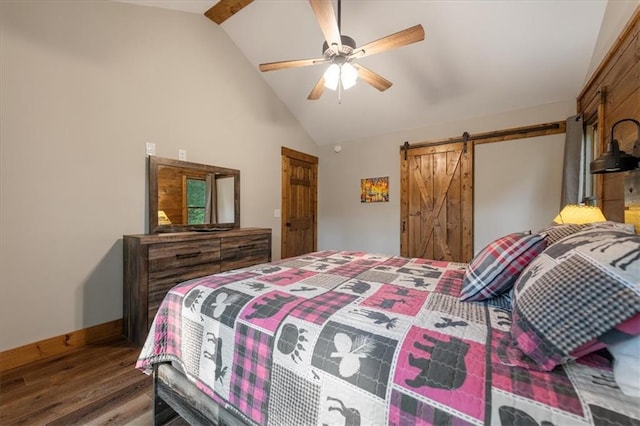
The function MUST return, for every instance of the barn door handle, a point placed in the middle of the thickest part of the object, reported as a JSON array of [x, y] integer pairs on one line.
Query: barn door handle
[[288, 224]]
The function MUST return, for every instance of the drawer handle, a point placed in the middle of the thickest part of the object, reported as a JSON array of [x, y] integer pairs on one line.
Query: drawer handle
[[246, 246], [188, 255]]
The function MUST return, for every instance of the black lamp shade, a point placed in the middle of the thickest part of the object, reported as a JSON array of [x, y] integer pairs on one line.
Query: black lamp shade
[[615, 160]]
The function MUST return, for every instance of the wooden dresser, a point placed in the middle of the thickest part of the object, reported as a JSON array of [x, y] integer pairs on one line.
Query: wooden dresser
[[153, 263]]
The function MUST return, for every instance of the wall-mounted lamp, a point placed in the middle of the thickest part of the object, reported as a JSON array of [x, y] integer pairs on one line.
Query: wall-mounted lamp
[[614, 160]]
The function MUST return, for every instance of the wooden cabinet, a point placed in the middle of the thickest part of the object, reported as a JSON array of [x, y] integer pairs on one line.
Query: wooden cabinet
[[154, 263]]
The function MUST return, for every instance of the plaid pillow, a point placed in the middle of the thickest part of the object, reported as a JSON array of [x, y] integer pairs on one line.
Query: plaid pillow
[[494, 270], [556, 232], [577, 290]]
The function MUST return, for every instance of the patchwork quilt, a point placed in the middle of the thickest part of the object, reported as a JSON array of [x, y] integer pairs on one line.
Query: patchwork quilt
[[361, 339]]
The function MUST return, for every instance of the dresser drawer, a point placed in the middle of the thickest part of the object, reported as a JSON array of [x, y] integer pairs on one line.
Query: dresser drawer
[[161, 282], [240, 252], [170, 256], [155, 263]]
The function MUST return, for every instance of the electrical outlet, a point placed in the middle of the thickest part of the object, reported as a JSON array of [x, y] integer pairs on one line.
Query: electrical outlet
[[182, 154], [150, 148]]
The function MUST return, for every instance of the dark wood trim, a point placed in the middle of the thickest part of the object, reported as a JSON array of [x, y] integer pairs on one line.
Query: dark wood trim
[[613, 93], [60, 344], [156, 162], [613, 52], [299, 155], [543, 129]]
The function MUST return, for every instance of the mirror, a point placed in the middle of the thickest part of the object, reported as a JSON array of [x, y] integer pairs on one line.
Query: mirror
[[186, 196]]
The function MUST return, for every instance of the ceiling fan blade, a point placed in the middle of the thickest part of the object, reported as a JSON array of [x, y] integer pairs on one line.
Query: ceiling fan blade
[[374, 79], [225, 9], [326, 17], [274, 66], [317, 90], [399, 39]]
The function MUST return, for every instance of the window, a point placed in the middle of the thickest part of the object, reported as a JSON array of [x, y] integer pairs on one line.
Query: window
[[196, 200]]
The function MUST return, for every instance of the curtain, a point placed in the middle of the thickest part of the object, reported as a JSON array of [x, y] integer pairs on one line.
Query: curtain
[[210, 211], [573, 164]]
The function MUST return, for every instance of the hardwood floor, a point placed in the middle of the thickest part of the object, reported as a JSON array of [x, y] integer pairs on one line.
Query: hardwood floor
[[95, 385]]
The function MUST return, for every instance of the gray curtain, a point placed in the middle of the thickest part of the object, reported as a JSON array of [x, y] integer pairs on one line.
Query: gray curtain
[[572, 170], [210, 211]]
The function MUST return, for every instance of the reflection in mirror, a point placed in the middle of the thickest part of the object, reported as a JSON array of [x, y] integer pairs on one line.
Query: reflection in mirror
[[225, 198], [191, 196]]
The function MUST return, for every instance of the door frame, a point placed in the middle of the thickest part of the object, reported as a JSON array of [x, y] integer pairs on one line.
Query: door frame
[[307, 158]]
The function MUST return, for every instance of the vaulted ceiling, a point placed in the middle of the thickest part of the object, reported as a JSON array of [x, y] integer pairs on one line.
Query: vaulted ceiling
[[478, 58]]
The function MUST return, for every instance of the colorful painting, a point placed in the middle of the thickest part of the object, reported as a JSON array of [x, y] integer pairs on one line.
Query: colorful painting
[[373, 190]]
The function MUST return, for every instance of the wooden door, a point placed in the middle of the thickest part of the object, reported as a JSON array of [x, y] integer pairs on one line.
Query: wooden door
[[437, 202], [299, 203]]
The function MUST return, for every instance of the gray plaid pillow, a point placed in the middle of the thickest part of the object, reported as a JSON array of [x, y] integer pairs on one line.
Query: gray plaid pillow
[[578, 289], [556, 232]]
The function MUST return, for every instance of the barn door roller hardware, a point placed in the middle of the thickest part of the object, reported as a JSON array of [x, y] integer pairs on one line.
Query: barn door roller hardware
[[465, 138]]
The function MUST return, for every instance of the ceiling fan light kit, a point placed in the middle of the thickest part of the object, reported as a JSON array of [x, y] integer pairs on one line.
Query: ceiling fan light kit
[[341, 51], [345, 75]]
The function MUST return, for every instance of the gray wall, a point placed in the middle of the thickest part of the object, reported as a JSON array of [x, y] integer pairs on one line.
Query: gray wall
[[517, 183], [84, 86]]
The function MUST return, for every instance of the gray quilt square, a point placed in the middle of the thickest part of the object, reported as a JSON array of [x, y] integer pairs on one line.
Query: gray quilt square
[[293, 399]]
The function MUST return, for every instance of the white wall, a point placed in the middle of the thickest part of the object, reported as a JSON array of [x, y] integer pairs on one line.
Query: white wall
[[517, 186], [504, 196], [84, 86], [616, 17]]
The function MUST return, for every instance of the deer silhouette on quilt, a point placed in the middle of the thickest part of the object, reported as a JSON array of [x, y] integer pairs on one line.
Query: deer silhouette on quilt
[[351, 415], [448, 371]]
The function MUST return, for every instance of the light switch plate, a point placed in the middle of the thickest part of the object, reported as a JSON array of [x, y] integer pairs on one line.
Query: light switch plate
[[150, 148]]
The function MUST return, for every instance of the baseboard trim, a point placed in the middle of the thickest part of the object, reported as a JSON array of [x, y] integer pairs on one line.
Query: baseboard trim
[[60, 344]]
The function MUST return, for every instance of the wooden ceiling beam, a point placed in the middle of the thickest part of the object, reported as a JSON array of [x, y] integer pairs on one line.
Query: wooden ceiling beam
[[225, 9]]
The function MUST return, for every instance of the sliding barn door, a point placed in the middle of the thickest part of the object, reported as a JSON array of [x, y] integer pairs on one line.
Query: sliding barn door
[[437, 202]]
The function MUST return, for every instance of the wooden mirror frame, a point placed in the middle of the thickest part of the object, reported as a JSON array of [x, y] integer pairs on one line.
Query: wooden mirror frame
[[156, 162]]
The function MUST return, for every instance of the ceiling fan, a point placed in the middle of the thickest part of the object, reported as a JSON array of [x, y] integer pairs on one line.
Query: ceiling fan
[[339, 50]]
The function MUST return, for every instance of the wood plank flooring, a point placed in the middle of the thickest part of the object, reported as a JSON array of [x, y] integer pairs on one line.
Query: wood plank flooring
[[95, 385]]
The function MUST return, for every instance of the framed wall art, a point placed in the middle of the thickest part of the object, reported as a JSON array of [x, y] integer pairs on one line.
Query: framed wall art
[[374, 190]]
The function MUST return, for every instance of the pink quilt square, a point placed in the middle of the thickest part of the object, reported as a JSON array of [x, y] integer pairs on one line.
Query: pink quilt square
[[268, 310], [445, 369], [397, 299]]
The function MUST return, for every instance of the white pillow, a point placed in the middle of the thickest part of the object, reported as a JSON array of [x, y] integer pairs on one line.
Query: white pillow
[[626, 365]]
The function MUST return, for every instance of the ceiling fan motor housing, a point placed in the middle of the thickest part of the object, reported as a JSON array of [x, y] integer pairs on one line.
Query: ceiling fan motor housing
[[348, 46]]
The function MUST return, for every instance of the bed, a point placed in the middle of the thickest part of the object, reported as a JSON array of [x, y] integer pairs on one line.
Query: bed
[[340, 337]]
